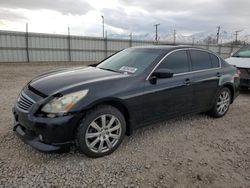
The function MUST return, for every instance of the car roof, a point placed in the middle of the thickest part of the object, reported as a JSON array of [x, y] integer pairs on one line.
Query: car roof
[[168, 47]]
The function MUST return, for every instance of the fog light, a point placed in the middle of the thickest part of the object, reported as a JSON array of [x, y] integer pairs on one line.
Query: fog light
[[40, 137], [51, 115]]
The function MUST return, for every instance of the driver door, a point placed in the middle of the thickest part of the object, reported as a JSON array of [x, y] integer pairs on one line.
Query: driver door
[[169, 96]]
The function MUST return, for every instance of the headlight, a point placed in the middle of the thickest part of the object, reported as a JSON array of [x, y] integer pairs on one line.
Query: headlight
[[64, 103]]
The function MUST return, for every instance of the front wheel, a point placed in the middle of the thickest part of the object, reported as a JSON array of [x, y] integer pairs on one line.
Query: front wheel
[[222, 103], [101, 131]]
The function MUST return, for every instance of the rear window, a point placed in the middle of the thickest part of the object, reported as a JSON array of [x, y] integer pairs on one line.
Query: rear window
[[200, 60], [215, 61]]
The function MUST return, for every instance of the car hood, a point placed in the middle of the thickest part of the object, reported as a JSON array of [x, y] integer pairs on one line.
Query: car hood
[[239, 62], [60, 80]]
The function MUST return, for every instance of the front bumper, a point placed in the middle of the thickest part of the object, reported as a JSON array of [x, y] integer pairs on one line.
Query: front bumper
[[46, 134], [244, 77], [244, 82], [35, 142]]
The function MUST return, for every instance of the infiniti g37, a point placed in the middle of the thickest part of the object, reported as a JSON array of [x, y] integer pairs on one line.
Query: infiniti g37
[[95, 107]]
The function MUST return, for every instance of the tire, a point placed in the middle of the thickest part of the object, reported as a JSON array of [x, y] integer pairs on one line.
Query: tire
[[221, 104], [95, 140]]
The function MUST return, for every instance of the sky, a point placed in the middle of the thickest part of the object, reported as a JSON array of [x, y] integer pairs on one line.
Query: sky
[[123, 17]]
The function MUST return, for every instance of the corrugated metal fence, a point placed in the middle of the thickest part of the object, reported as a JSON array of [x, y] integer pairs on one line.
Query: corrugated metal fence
[[37, 47]]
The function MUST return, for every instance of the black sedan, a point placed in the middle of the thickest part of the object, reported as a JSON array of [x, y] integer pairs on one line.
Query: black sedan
[[94, 107]]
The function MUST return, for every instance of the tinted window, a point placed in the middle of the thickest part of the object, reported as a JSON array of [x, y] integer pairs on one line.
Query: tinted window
[[215, 61], [200, 60], [177, 62]]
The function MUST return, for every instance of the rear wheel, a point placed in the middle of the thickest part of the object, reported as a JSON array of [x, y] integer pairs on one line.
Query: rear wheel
[[222, 103], [101, 131]]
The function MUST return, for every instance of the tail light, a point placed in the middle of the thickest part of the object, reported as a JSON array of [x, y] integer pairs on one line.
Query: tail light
[[238, 72]]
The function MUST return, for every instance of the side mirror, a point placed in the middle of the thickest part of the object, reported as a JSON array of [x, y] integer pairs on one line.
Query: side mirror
[[94, 65], [163, 73], [159, 74]]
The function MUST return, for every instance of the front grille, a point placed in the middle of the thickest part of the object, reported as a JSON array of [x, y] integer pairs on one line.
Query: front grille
[[24, 102], [245, 81]]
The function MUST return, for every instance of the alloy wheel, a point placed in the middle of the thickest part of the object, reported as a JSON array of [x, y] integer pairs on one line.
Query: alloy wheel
[[223, 102], [103, 133]]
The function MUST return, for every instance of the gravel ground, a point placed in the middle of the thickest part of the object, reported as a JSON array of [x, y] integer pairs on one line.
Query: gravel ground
[[190, 151]]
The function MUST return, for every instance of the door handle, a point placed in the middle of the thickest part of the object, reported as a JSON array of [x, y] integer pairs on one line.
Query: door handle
[[187, 82], [218, 74]]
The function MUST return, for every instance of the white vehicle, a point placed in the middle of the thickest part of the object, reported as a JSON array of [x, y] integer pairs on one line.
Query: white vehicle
[[241, 59]]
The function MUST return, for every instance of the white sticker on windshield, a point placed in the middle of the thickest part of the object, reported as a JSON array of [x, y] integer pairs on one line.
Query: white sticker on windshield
[[128, 69]]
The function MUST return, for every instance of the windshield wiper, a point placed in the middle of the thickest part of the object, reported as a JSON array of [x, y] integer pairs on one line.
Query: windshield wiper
[[108, 69], [241, 56]]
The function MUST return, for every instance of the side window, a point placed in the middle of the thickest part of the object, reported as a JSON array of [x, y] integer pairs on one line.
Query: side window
[[215, 61], [177, 62], [200, 60]]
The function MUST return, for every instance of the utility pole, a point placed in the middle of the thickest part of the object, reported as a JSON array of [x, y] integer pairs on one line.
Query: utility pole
[[103, 27], [130, 36], [193, 40], [130, 39], [27, 27], [218, 34], [247, 39], [156, 32], [106, 44], [174, 36], [236, 36], [69, 47], [27, 42]]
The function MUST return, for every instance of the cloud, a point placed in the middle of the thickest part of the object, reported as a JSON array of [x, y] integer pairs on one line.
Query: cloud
[[125, 16], [142, 22], [198, 15], [74, 7], [10, 15], [134, 21]]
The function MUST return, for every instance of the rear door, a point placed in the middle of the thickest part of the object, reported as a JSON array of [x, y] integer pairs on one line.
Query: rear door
[[206, 74]]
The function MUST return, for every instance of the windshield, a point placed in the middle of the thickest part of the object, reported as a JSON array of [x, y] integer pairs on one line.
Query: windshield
[[132, 60], [243, 52]]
